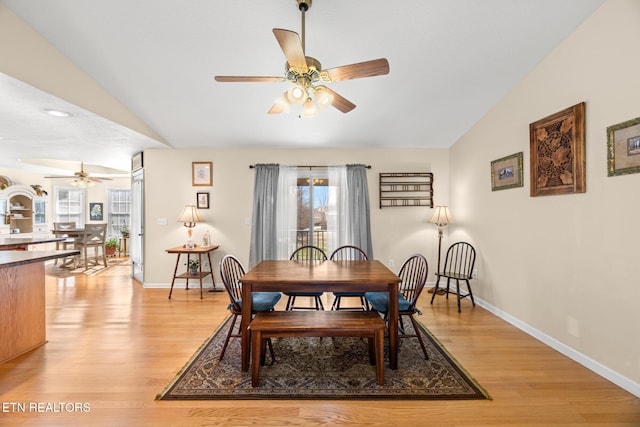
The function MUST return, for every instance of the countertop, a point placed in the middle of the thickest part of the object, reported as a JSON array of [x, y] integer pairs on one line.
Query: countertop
[[15, 258]]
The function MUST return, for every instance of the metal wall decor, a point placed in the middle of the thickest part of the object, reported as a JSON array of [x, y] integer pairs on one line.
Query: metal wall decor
[[406, 189], [558, 153]]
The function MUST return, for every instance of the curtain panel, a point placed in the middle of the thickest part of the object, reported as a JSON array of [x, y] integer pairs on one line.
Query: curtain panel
[[358, 215], [263, 222]]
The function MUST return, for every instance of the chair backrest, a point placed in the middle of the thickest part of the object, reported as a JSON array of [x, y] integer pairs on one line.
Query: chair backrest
[[63, 226], [348, 253], [231, 270], [413, 277], [308, 253], [460, 259], [94, 234]]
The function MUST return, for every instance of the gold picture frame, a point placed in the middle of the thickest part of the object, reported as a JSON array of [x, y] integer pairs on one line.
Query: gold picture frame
[[623, 148], [507, 172], [201, 174], [557, 145]]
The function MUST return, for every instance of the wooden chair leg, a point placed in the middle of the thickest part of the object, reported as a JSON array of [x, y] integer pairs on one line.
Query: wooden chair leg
[[419, 336], [229, 335], [470, 293]]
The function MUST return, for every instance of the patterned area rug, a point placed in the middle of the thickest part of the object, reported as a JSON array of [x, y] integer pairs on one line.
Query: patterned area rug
[[323, 368]]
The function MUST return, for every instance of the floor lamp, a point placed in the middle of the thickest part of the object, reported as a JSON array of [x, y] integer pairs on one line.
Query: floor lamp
[[441, 217]]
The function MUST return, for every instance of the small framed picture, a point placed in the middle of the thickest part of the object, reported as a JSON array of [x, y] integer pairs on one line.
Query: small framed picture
[[202, 200], [95, 211], [201, 174], [623, 148], [507, 172], [136, 162]]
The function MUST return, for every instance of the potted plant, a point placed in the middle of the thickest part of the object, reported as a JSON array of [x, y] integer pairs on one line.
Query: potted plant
[[124, 231], [193, 266], [110, 246]]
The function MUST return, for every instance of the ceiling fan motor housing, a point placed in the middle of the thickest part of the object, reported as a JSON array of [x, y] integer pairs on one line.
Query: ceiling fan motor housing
[[312, 72]]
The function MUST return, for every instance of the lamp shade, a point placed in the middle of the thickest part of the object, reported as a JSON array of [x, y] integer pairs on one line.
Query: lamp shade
[[297, 94], [309, 108], [190, 216], [323, 97], [441, 216]]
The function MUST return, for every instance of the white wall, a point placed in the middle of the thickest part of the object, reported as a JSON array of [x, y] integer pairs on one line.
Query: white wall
[[567, 265], [397, 232]]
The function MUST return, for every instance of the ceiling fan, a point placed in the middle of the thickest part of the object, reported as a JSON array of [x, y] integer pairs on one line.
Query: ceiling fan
[[305, 72], [81, 178]]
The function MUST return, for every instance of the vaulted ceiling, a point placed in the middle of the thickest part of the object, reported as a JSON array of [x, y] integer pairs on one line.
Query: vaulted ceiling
[[450, 62]]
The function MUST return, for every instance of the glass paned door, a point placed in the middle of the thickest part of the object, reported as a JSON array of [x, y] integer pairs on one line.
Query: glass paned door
[[312, 206], [136, 248]]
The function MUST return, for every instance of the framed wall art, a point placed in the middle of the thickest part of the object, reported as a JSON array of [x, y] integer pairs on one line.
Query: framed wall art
[[557, 146], [136, 162], [507, 172], [623, 148], [202, 200], [95, 211], [201, 174]]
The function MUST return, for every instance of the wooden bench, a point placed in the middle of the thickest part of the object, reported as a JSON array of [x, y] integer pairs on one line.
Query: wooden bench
[[283, 324]]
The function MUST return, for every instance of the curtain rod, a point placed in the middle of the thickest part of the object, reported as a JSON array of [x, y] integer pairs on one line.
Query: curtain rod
[[309, 166]]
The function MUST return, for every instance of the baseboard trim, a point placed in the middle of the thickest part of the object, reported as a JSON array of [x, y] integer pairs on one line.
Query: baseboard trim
[[593, 365]]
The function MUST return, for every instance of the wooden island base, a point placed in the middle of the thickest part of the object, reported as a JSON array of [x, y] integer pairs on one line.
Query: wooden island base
[[22, 300]]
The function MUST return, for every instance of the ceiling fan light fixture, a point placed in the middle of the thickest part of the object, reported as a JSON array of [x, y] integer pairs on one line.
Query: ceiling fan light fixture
[[323, 97], [297, 94], [309, 108], [82, 183]]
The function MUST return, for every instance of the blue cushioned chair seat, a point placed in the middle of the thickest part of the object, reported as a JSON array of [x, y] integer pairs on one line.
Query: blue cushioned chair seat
[[304, 294], [263, 301], [380, 301], [348, 294]]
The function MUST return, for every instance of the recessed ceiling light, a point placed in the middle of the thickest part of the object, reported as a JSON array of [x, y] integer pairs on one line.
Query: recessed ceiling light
[[58, 113]]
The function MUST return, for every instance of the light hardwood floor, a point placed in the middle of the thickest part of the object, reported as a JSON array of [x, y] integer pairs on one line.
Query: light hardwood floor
[[113, 346]]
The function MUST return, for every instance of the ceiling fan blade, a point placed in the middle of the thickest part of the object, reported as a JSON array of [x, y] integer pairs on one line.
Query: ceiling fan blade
[[281, 105], [340, 103], [375, 67], [291, 47], [239, 79], [60, 176]]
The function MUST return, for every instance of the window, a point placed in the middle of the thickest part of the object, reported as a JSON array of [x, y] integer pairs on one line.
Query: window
[[119, 211], [312, 207], [69, 205]]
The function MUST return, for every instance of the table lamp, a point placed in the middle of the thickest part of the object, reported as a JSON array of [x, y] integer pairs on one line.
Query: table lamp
[[441, 217], [189, 217]]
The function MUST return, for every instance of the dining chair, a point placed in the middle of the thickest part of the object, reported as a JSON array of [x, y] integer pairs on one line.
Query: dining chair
[[413, 277], [231, 271], [311, 254], [69, 242], [349, 253], [458, 265], [92, 237]]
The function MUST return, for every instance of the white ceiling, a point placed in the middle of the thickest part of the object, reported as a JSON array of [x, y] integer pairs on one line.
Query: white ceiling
[[450, 62]]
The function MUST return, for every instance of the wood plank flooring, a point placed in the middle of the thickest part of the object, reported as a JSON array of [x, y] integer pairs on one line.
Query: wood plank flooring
[[112, 346]]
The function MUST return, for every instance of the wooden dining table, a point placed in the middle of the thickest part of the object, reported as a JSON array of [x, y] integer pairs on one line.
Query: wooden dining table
[[315, 276]]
